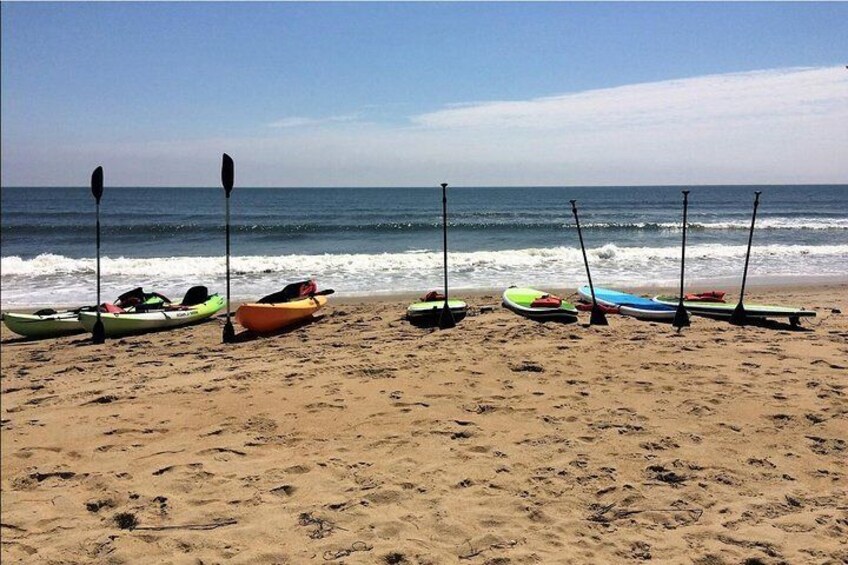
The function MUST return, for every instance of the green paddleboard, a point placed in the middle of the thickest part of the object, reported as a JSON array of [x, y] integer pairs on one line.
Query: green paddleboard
[[725, 309], [520, 300], [428, 313]]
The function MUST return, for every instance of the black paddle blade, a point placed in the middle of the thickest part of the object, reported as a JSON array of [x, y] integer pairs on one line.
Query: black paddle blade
[[229, 332], [446, 320], [227, 174], [681, 318], [598, 318], [98, 333], [97, 183], [739, 317]]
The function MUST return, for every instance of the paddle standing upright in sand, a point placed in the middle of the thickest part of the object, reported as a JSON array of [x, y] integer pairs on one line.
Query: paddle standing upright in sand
[[98, 334], [227, 178], [597, 317], [681, 317], [446, 319], [739, 317]]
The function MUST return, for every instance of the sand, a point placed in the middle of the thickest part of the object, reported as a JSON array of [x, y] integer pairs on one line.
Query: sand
[[361, 439]]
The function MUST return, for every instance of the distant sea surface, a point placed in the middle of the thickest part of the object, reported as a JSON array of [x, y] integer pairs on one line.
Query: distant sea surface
[[364, 241]]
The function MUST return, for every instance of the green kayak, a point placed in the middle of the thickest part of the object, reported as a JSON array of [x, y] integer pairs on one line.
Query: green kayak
[[196, 307], [538, 305], [48, 323], [44, 323]]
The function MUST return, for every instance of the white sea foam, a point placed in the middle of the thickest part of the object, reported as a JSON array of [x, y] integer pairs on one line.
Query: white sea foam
[[55, 279], [775, 223]]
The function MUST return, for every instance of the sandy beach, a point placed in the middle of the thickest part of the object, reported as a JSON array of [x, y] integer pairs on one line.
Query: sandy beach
[[361, 439]]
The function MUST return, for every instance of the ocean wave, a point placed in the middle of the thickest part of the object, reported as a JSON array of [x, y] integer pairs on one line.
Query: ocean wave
[[52, 265], [55, 279], [507, 225]]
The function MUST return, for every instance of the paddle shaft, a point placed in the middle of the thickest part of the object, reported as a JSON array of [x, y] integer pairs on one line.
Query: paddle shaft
[[227, 208], [98, 335], [227, 180], [750, 240], [681, 316], [583, 249], [445, 235], [683, 252], [98, 257]]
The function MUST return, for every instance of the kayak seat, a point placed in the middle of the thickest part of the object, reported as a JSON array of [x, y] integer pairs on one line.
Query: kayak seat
[[148, 307], [195, 295], [111, 308], [290, 292], [131, 298], [45, 312], [137, 296], [432, 296]]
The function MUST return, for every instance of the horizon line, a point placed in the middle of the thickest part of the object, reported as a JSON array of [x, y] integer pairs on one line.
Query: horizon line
[[355, 187]]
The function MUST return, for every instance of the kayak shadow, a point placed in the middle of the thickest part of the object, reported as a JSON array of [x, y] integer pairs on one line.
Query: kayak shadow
[[21, 340], [555, 321], [86, 340], [250, 335]]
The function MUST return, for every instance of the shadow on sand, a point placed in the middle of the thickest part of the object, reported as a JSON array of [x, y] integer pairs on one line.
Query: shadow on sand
[[86, 340], [248, 335]]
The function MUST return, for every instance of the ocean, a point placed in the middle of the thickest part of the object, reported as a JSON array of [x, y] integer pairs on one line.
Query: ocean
[[366, 241]]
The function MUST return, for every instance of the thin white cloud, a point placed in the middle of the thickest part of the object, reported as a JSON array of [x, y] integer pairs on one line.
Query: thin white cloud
[[301, 121], [773, 126], [737, 98]]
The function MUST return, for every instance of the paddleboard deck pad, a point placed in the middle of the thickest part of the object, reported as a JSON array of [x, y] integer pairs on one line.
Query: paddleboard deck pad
[[629, 304], [725, 309], [428, 313], [521, 299]]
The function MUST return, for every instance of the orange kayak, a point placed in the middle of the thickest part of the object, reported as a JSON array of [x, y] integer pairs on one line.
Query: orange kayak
[[271, 317]]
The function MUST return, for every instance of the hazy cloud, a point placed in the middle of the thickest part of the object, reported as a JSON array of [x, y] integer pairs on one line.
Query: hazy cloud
[[772, 126], [731, 98], [300, 121]]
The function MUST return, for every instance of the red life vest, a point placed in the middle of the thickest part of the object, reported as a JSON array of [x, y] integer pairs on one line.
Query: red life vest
[[547, 301]]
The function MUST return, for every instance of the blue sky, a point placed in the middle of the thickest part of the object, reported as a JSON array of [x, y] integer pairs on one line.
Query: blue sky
[[407, 94]]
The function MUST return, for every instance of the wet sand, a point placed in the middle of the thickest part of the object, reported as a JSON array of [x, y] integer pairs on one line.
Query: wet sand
[[361, 439]]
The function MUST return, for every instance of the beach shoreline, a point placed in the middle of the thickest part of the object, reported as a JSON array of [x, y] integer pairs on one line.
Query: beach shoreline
[[777, 288]]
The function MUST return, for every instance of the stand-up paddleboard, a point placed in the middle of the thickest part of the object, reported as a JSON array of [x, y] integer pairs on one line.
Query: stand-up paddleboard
[[197, 305], [428, 313], [725, 310], [630, 304], [538, 305], [437, 309]]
